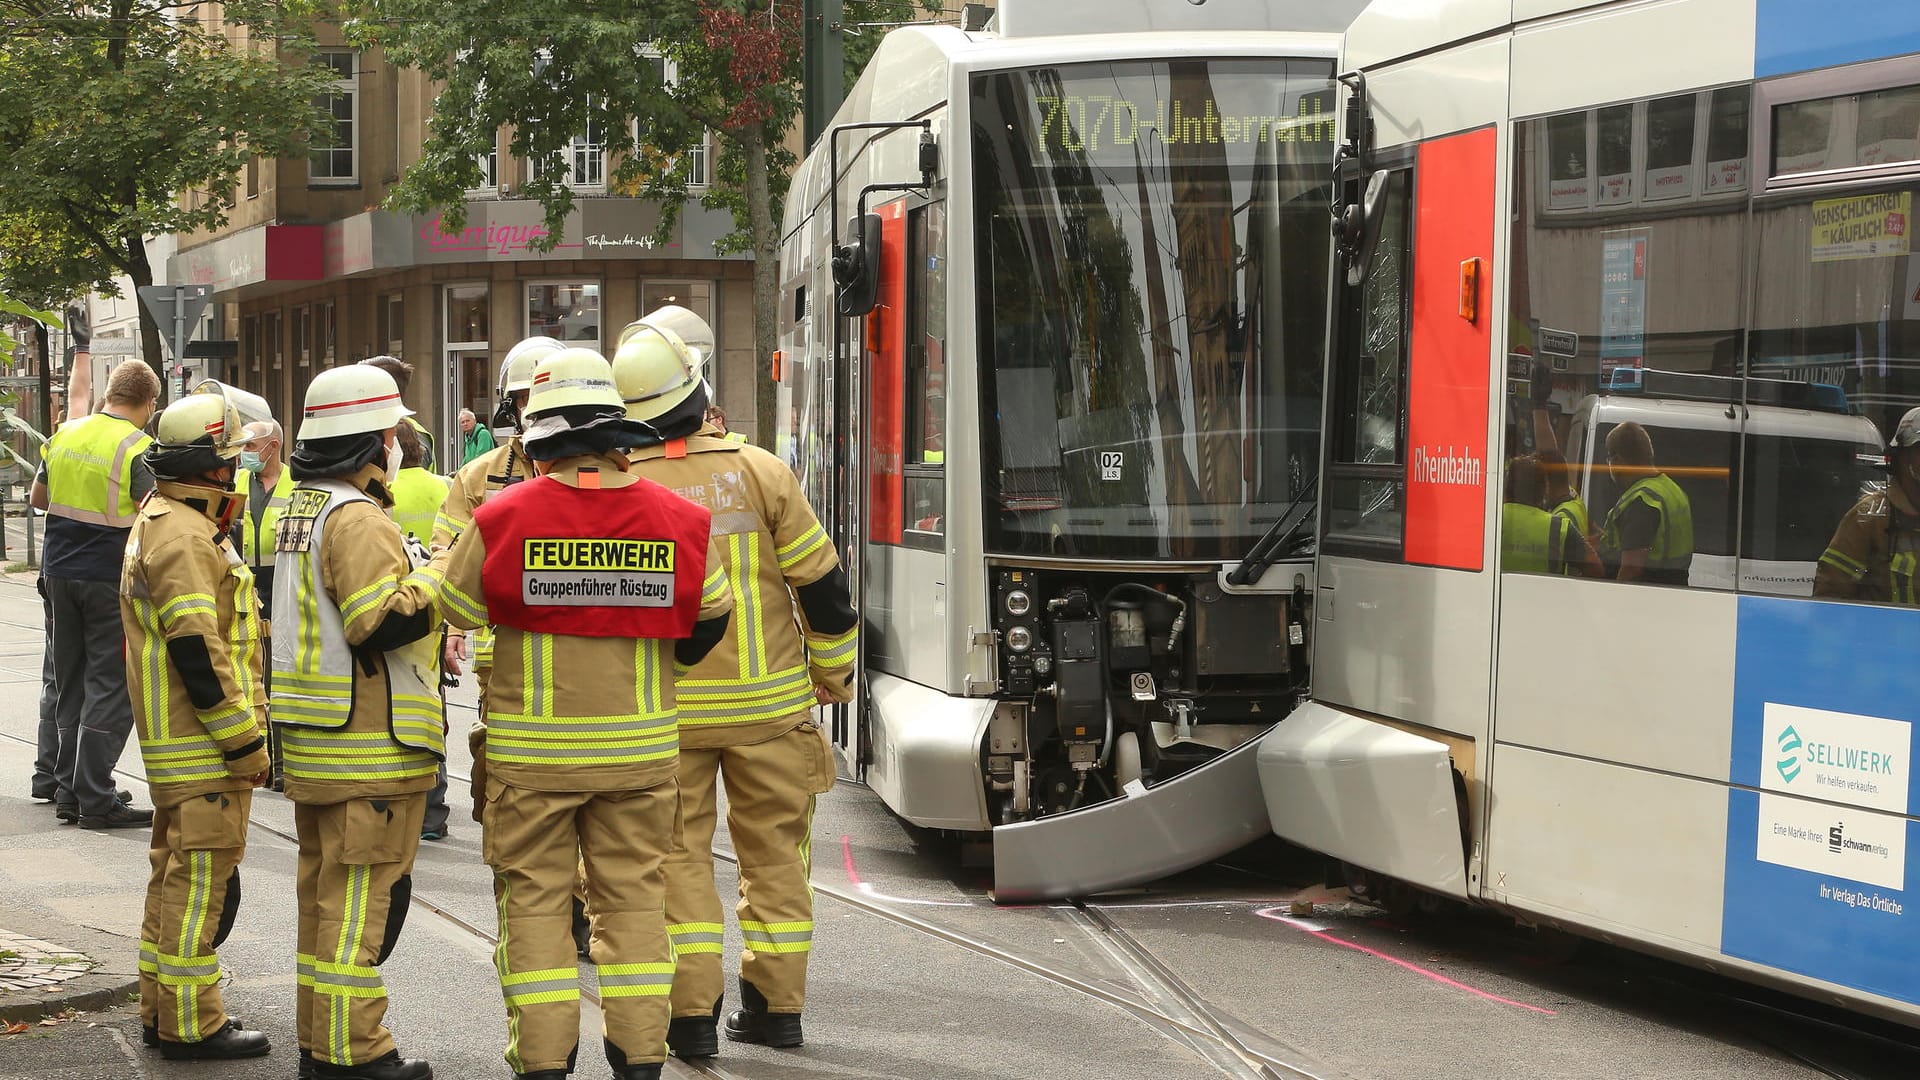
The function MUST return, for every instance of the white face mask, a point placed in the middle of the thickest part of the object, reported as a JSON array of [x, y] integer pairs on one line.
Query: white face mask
[[393, 462]]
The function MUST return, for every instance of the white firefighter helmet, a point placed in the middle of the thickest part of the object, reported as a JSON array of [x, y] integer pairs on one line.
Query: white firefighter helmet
[[351, 400], [568, 378], [253, 408], [203, 419], [516, 369], [659, 361]]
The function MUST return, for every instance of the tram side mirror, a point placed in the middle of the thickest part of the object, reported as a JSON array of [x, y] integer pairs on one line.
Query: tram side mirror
[[1360, 228], [856, 268]]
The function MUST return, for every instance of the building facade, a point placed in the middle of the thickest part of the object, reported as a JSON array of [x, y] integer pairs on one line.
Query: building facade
[[310, 272]]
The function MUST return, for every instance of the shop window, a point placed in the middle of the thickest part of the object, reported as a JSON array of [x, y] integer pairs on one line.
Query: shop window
[[1669, 150], [568, 311], [324, 332], [467, 321], [390, 323], [332, 159]]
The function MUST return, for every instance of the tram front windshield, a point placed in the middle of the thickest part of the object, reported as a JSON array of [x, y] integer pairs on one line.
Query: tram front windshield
[[1153, 260]]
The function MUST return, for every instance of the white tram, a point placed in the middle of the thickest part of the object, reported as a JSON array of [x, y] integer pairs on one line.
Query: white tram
[[1691, 216], [1053, 325]]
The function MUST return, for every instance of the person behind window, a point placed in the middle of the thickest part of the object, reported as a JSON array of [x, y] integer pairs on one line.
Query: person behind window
[[1532, 540], [475, 439], [1648, 535], [1568, 508], [1873, 552]]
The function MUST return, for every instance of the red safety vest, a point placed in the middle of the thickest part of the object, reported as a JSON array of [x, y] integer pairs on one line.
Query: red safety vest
[[593, 562]]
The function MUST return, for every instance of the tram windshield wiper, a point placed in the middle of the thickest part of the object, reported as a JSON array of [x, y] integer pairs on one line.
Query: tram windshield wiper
[[1276, 543]]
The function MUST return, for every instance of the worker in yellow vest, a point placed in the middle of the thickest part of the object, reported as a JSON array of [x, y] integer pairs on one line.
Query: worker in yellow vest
[[193, 658], [747, 711], [356, 685], [601, 586], [91, 481]]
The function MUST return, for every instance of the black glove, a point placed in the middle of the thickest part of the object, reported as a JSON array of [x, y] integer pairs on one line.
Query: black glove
[[1542, 384], [79, 329]]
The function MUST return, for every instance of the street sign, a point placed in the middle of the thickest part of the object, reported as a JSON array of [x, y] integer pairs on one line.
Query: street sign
[[213, 350], [177, 309]]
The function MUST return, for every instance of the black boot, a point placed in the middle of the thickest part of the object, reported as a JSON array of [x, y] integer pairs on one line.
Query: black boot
[[231, 1041], [306, 1064], [150, 1036], [390, 1067], [543, 1074], [694, 1036], [754, 1024], [623, 1070]]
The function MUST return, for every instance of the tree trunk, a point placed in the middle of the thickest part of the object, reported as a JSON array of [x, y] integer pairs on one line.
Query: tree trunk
[[764, 229], [141, 271]]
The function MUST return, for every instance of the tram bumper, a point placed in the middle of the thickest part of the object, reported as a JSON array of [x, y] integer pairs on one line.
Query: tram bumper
[[1366, 793], [1142, 836]]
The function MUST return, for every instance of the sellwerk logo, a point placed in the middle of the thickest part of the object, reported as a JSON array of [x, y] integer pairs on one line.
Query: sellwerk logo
[[1789, 761]]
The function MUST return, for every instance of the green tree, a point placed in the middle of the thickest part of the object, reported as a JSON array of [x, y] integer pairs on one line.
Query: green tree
[[126, 119], [550, 72]]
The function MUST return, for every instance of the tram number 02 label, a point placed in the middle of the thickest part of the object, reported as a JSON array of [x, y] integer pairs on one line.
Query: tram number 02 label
[[1112, 462]]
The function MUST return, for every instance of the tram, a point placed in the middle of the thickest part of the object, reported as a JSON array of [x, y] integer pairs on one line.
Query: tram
[[1051, 341], [1662, 242]]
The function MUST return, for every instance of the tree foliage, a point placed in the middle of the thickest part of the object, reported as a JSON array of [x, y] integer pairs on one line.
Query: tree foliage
[[548, 72], [114, 114]]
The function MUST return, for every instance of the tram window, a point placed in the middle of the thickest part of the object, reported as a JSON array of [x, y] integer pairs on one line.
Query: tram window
[[925, 449], [1624, 337], [1365, 480], [1836, 338]]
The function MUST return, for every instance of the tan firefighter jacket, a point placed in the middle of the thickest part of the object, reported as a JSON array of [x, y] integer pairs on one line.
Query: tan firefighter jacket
[[193, 646], [469, 487], [567, 713], [758, 682], [355, 676]]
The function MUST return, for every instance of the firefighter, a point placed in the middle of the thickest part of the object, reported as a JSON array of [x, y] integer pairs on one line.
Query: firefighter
[[355, 684], [598, 584], [746, 713], [193, 664], [503, 466]]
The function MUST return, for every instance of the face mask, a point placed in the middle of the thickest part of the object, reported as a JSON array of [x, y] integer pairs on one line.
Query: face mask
[[393, 462], [251, 461]]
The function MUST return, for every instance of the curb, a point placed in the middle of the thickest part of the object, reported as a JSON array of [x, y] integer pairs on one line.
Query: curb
[[88, 993]]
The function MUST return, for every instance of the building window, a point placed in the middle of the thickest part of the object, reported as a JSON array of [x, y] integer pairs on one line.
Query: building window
[[489, 164], [252, 178], [467, 321], [332, 161], [568, 311], [302, 335], [390, 323], [323, 332], [272, 346], [1679, 149]]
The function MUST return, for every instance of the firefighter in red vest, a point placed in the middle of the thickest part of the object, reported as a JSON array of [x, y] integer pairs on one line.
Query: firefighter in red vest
[[598, 584]]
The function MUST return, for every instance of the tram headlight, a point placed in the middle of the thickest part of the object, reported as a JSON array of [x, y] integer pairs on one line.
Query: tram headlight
[[1019, 603], [1019, 639]]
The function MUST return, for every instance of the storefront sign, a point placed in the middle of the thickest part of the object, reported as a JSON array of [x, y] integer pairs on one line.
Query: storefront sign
[[255, 256]]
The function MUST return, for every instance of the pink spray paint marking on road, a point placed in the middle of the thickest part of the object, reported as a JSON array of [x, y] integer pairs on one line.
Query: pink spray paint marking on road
[[867, 890], [1274, 915]]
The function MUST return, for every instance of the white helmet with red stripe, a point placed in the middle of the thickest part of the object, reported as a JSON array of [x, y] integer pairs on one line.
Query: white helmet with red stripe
[[351, 400]]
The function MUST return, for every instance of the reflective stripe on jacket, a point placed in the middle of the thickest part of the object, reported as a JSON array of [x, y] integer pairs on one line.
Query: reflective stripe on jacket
[[89, 466], [257, 528]]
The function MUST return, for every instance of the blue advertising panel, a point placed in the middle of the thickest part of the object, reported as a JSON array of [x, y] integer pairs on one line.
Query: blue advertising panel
[[1623, 307], [1818, 878], [1801, 35]]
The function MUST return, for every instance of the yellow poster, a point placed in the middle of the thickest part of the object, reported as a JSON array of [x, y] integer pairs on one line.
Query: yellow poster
[[1863, 227]]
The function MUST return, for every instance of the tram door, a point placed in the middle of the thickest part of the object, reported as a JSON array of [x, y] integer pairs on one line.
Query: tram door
[[1404, 612]]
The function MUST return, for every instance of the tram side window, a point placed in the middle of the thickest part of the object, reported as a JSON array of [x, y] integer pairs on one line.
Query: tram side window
[[1365, 478], [1624, 343], [926, 376], [1836, 337]]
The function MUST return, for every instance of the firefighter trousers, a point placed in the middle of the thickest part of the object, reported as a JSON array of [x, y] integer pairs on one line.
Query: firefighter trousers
[[770, 794], [192, 897], [533, 840], [355, 882]]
